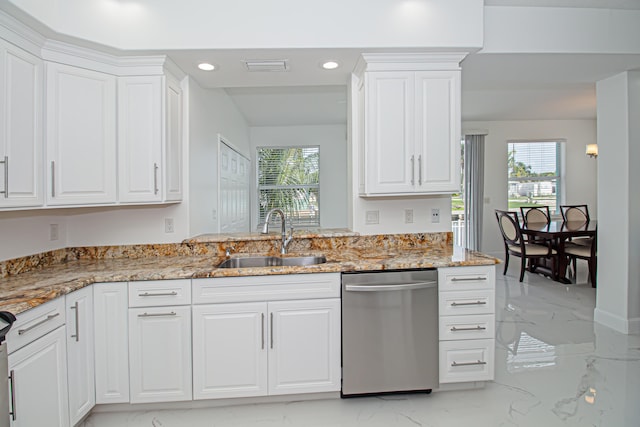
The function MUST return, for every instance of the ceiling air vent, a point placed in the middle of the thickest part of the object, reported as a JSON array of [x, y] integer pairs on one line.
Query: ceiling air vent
[[272, 65]]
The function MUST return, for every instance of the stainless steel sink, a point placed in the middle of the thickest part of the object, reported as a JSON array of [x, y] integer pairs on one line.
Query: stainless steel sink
[[271, 261]]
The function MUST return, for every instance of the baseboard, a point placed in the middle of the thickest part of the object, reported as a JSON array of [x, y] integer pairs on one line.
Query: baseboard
[[617, 323]]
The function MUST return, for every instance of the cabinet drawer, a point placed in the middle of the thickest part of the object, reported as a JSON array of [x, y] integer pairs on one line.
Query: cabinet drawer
[[466, 278], [467, 302], [468, 360], [467, 327], [266, 288], [32, 324], [157, 293]]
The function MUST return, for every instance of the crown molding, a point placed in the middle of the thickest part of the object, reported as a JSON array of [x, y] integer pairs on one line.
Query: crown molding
[[422, 61], [15, 32]]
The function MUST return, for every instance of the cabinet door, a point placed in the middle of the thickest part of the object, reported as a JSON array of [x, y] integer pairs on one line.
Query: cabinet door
[[160, 354], [140, 139], [80, 360], [437, 130], [81, 136], [111, 342], [389, 127], [38, 381], [304, 346], [173, 143], [229, 350], [21, 142]]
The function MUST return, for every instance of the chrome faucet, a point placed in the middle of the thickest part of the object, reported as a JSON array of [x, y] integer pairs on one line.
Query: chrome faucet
[[285, 240]]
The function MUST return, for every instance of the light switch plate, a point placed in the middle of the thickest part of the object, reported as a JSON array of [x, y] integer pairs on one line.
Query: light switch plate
[[408, 216], [372, 217]]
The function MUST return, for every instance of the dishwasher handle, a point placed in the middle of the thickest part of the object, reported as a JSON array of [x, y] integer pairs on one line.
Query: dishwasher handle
[[395, 287]]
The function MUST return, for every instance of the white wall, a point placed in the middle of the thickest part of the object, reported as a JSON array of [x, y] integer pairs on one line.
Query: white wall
[[580, 170], [27, 232], [211, 112], [333, 165]]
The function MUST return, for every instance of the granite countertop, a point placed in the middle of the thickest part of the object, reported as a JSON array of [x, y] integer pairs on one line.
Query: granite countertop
[[20, 292]]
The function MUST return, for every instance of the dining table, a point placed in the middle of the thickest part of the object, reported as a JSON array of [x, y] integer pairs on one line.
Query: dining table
[[559, 232]]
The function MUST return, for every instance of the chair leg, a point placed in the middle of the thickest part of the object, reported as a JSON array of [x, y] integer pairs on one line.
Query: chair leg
[[592, 272], [523, 265], [506, 263]]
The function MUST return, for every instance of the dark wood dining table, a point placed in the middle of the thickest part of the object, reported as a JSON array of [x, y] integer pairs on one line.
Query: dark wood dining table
[[559, 232]]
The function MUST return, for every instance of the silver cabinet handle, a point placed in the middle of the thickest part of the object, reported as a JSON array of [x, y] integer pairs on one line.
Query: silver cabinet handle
[[457, 304], [413, 170], [77, 334], [159, 294], [6, 177], [475, 328], [263, 331], [271, 324], [145, 314], [468, 279], [35, 325], [12, 384], [397, 287], [479, 362], [155, 178], [53, 178], [420, 169]]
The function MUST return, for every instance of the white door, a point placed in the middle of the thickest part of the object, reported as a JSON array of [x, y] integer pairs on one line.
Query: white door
[[38, 381], [80, 347], [304, 346], [173, 140], [111, 342], [140, 139], [229, 350], [389, 132], [21, 139], [438, 131], [81, 136], [233, 194], [160, 354]]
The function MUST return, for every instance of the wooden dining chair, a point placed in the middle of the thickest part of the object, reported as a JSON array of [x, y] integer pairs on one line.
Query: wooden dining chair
[[586, 251], [577, 214], [515, 244]]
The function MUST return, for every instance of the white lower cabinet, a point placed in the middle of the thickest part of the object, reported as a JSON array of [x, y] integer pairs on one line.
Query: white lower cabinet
[[467, 323], [80, 351], [38, 381], [111, 307], [266, 347]]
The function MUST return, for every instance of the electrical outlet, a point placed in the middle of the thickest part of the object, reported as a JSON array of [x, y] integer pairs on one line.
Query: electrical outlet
[[53, 232], [168, 225], [435, 215], [408, 216], [372, 217]]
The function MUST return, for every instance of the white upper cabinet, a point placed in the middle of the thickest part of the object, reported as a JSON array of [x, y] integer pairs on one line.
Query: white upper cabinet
[[409, 120], [149, 139], [80, 136], [21, 143]]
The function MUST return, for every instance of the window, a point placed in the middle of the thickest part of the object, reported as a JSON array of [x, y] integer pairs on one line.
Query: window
[[289, 179], [535, 174]]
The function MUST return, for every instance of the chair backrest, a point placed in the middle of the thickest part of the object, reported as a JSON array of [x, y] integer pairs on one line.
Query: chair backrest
[[509, 227], [579, 213], [535, 214]]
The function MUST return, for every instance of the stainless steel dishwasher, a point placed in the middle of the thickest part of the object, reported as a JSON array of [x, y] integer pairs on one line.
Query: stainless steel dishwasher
[[389, 332]]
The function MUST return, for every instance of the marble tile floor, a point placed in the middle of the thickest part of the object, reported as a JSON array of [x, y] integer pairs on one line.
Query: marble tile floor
[[554, 367]]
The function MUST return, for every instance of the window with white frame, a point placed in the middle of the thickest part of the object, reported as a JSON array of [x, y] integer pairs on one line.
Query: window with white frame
[[289, 179], [535, 174]]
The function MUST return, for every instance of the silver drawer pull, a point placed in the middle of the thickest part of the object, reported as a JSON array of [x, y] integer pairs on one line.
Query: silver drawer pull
[[6, 176], [77, 309], [457, 304], [468, 279], [12, 385], [145, 314], [475, 328], [479, 362], [159, 294], [35, 325]]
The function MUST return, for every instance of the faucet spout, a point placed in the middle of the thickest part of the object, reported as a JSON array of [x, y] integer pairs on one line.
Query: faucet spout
[[285, 240]]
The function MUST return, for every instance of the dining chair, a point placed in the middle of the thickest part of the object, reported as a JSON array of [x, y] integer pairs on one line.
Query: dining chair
[[584, 251], [576, 213], [515, 244], [535, 214]]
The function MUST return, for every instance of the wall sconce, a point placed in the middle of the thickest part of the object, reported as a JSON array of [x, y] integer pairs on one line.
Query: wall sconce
[[592, 150]]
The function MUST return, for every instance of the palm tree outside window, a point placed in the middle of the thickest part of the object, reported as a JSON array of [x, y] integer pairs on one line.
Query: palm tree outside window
[[289, 179]]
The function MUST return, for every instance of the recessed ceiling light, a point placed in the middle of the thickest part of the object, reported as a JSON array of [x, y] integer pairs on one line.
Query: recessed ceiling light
[[205, 66], [330, 65]]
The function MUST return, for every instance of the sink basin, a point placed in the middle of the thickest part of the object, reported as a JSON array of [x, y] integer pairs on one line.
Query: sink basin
[[271, 261]]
